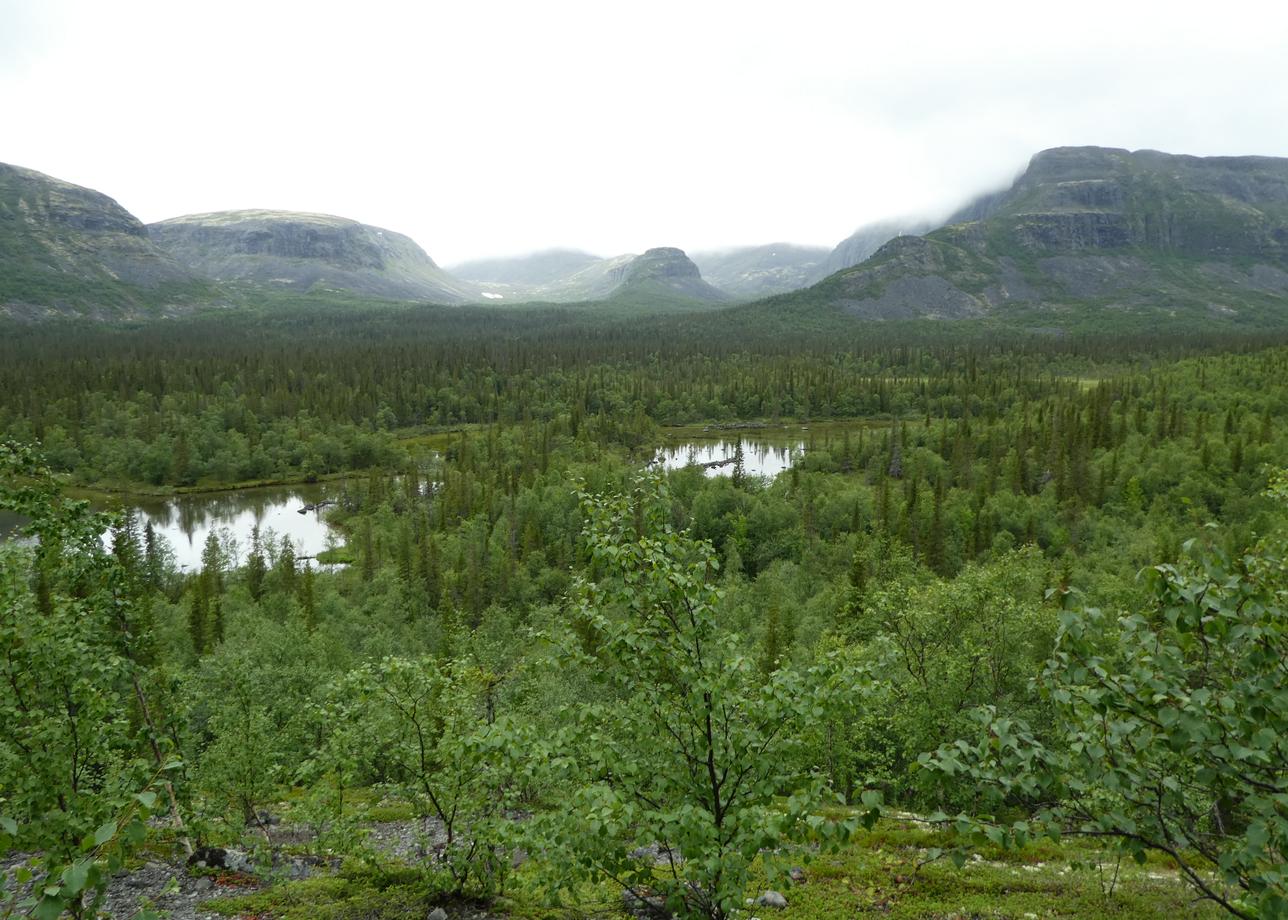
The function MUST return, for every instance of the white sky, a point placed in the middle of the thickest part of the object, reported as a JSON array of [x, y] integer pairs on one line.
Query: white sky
[[482, 127]]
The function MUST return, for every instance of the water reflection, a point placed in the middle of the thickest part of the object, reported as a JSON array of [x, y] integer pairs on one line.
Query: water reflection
[[718, 456], [186, 521]]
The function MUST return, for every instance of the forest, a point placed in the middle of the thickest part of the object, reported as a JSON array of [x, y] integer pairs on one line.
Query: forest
[[1007, 640]]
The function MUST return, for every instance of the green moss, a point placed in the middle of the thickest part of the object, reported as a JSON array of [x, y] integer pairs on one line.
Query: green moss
[[881, 873]]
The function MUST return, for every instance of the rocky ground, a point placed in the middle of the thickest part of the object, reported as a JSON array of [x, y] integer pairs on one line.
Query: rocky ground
[[164, 887], [177, 889]]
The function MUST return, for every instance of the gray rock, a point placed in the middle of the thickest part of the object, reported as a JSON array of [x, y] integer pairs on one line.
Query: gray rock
[[437, 914], [771, 899]]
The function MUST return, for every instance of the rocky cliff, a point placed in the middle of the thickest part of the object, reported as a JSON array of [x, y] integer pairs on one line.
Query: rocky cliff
[[69, 249], [668, 273], [307, 252], [1086, 225], [862, 243]]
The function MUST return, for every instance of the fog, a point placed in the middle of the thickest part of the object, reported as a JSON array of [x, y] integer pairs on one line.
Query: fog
[[487, 129]]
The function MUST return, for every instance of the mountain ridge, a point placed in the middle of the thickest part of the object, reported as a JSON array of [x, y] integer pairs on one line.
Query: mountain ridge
[[307, 251], [1096, 226], [65, 248]]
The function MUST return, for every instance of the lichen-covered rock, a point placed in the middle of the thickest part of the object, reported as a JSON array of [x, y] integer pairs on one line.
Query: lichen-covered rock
[[771, 899]]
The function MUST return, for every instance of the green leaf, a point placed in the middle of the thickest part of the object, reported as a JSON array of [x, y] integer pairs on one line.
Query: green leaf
[[49, 908], [104, 833]]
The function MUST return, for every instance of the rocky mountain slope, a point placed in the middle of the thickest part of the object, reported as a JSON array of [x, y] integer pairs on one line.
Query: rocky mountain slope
[[307, 252], [1090, 227], [665, 273], [68, 249], [863, 243], [758, 271]]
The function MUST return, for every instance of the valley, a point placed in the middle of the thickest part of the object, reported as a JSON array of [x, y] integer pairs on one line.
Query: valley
[[939, 575]]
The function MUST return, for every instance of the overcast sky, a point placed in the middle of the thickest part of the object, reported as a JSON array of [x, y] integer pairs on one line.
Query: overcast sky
[[490, 128]]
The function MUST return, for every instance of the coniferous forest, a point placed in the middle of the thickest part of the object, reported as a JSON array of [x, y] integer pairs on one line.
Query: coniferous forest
[[1006, 639]]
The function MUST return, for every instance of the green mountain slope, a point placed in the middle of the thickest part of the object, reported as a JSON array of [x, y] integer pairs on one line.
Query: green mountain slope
[[862, 243], [665, 274], [65, 249], [1090, 230]]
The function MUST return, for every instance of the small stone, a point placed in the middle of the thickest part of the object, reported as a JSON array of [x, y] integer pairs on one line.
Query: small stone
[[796, 874], [203, 884], [437, 914], [771, 899], [646, 906]]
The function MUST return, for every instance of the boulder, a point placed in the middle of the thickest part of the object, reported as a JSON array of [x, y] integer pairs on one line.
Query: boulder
[[771, 899]]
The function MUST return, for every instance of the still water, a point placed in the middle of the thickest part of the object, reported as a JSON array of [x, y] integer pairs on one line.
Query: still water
[[759, 458], [186, 520]]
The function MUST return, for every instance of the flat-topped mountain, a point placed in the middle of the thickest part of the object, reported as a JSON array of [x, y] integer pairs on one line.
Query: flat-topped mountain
[[1094, 227], [758, 271], [69, 249], [307, 252]]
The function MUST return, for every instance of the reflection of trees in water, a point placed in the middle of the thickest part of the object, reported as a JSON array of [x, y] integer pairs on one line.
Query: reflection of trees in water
[[191, 515], [760, 458]]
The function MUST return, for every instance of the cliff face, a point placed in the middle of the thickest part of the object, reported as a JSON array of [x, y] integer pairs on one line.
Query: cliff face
[[862, 243], [1093, 224], [69, 249], [307, 252], [1073, 198]]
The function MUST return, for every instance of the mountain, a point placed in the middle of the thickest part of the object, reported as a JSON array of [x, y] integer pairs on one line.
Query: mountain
[[660, 277], [69, 249], [664, 274], [1086, 230], [758, 271], [862, 243], [307, 252]]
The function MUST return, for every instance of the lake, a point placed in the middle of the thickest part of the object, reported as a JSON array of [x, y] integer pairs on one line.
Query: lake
[[765, 458], [186, 520]]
